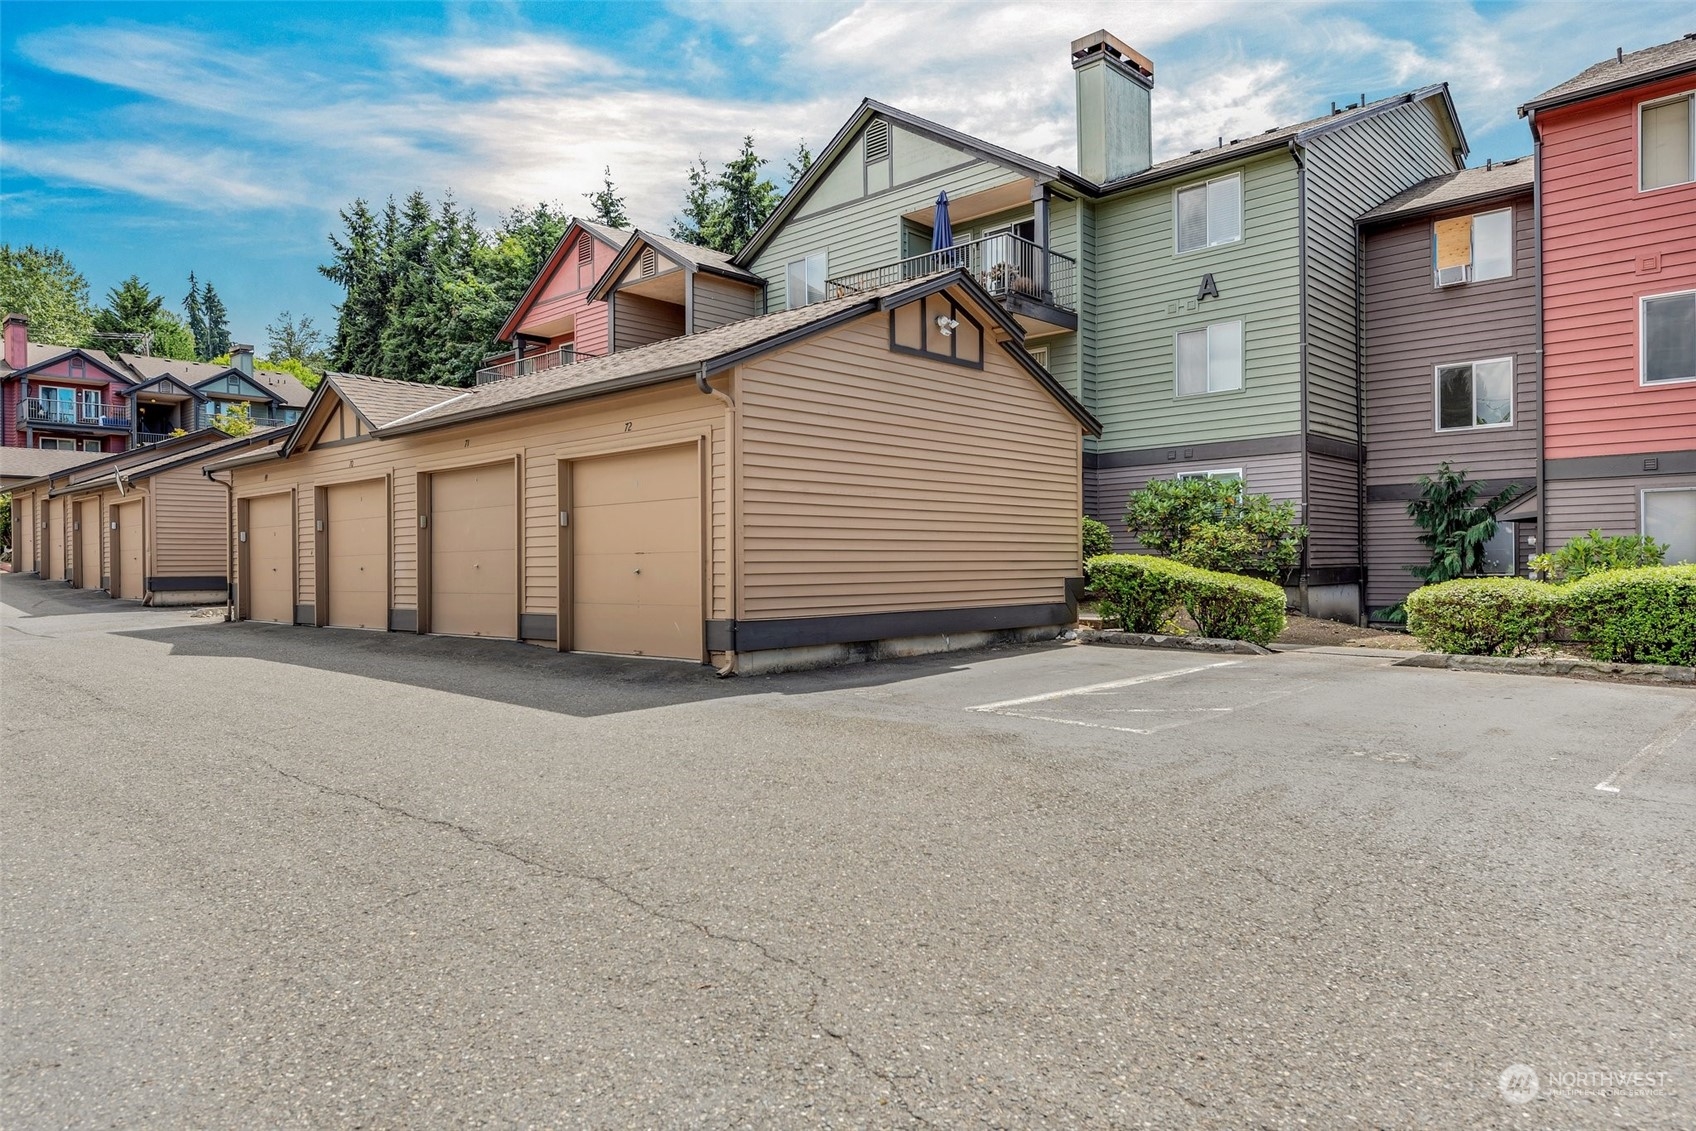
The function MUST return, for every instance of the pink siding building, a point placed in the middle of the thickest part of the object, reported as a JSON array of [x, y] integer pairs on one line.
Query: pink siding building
[[555, 323]]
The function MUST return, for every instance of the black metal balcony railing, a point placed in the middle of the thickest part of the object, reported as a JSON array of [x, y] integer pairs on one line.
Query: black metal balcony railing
[[261, 417], [1006, 265], [57, 412], [530, 363]]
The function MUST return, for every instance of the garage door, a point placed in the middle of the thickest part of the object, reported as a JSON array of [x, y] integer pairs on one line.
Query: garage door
[[474, 552], [636, 554], [88, 544], [357, 553], [23, 555], [53, 541], [127, 550], [269, 553]]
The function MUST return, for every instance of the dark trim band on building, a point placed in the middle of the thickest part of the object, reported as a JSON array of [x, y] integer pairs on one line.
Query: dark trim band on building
[[798, 632], [1621, 467], [186, 584], [1226, 450], [537, 626], [1407, 492]]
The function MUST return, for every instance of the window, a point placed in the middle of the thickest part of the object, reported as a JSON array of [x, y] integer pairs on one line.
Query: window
[[1499, 550], [1210, 360], [1471, 249], [1667, 143], [58, 445], [88, 404], [804, 280], [1669, 337], [1478, 394], [91, 445], [1210, 214], [1669, 515], [1225, 473]]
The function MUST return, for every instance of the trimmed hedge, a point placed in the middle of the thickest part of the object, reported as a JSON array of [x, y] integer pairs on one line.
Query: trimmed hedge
[[1645, 616], [1143, 593], [1642, 616], [1484, 616], [1098, 539]]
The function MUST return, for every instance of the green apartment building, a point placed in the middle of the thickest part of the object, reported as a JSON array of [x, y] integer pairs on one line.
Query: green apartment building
[[1205, 308]]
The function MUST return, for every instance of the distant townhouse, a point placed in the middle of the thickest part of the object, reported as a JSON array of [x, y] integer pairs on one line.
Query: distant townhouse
[[554, 322], [1203, 308], [72, 399], [1449, 361], [1616, 187]]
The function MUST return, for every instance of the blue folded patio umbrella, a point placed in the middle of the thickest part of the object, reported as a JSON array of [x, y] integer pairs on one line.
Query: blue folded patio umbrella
[[942, 232]]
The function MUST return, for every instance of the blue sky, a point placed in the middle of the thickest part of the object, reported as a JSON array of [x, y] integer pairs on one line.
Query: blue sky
[[222, 138]]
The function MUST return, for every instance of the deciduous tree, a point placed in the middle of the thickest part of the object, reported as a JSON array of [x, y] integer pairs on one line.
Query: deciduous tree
[[41, 284]]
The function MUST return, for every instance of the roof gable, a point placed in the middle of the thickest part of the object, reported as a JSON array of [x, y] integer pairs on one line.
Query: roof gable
[[564, 252], [45, 357], [351, 406], [245, 387], [675, 253], [165, 380]]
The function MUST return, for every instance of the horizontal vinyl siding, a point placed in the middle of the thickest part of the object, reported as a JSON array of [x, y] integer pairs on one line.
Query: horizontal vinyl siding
[[1333, 518], [1144, 294], [719, 302], [540, 438], [1392, 545], [1349, 171], [1109, 488], [639, 320], [1413, 326], [866, 232], [1597, 230], [1613, 506], [190, 526], [873, 482]]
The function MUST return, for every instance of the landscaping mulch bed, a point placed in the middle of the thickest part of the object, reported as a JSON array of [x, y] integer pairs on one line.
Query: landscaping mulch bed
[[1312, 630]]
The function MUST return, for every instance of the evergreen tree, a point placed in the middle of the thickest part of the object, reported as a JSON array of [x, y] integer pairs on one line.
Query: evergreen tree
[[43, 286], [217, 321], [358, 268], [799, 162], [746, 200], [131, 308], [606, 203], [404, 338], [699, 209], [196, 312]]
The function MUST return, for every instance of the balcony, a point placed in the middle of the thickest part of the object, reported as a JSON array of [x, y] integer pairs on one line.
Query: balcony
[[1028, 278], [530, 363], [58, 412], [261, 417]]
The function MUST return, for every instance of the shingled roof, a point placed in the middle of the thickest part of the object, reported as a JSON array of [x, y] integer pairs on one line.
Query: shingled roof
[[1502, 178], [1625, 69], [381, 400], [169, 460], [18, 465]]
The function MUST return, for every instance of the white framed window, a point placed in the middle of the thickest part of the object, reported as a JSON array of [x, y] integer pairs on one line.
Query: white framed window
[[1210, 360], [1499, 556], [1472, 249], [1209, 214], [1669, 516], [804, 280], [1666, 142], [91, 445], [1668, 337], [57, 445], [1475, 394], [1235, 473], [88, 404]]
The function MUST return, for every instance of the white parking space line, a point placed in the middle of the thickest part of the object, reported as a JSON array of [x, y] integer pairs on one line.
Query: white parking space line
[[1132, 682], [1663, 740]]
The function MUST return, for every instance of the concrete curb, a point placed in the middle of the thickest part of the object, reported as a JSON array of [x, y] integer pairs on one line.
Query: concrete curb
[[1553, 665], [1154, 640]]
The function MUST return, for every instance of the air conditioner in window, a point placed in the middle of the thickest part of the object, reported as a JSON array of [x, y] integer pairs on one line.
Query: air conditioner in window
[[1453, 276]]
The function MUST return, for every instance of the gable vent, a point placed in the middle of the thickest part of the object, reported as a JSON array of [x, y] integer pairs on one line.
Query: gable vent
[[877, 140], [585, 254], [650, 261]]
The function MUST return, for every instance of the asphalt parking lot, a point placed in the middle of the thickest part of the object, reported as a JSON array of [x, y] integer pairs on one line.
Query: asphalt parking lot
[[262, 876]]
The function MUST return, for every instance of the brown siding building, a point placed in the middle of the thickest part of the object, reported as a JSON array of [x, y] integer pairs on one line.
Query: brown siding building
[[1449, 360]]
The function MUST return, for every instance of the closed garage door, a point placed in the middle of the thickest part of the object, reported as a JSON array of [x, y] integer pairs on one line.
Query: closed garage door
[[474, 552], [269, 553], [127, 549], [88, 544], [636, 554], [358, 554], [53, 540]]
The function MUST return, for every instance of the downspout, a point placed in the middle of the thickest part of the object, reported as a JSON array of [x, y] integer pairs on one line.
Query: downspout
[[731, 581], [1301, 347], [1537, 253], [23, 415], [1360, 417], [229, 543]]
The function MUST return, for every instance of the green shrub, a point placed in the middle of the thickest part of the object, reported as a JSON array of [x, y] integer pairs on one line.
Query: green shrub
[[1595, 552], [1142, 593], [1484, 616], [1213, 524], [1645, 616], [1230, 607], [1138, 591], [1098, 539]]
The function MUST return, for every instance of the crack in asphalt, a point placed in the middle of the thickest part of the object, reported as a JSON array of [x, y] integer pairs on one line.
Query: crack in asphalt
[[606, 884]]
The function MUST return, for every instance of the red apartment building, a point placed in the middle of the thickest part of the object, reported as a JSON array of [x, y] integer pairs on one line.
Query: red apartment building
[[1616, 190]]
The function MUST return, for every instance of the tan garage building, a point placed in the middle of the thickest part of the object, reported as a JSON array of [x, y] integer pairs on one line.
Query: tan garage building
[[885, 471], [153, 529]]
